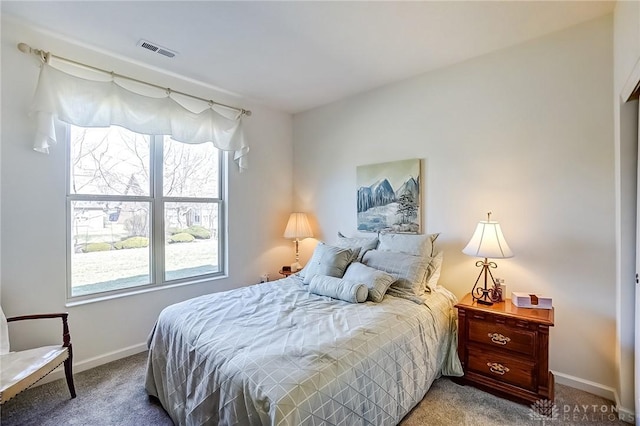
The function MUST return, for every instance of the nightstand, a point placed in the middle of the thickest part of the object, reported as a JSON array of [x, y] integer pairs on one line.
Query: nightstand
[[504, 349]]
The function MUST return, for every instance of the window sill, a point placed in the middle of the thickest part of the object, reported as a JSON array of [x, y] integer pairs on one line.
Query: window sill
[[134, 291]]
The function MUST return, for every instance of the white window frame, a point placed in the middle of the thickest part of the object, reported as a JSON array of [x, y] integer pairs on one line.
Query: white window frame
[[157, 201]]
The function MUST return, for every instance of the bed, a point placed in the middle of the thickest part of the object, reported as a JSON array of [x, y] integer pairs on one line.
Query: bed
[[277, 354]]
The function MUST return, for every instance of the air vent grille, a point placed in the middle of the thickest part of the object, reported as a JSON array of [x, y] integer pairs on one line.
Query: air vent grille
[[166, 53], [149, 46], [154, 47]]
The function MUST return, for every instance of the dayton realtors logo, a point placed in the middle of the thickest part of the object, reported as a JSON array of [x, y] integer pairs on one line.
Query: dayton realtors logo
[[544, 410], [548, 411]]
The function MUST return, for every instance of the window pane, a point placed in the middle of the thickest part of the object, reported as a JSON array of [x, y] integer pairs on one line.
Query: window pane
[[190, 170], [191, 240], [109, 161], [109, 246]]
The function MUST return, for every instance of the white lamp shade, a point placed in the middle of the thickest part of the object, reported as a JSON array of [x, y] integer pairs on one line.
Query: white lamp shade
[[298, 226], [488, 242]]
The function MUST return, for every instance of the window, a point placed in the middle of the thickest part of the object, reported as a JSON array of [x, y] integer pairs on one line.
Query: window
[[143, 211]]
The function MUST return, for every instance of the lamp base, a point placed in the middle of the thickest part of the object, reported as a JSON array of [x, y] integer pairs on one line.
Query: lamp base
[[483, 301], [483, 295], [295, 267]]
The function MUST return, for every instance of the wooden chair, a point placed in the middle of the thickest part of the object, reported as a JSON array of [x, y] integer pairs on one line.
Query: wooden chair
[[20, 370]]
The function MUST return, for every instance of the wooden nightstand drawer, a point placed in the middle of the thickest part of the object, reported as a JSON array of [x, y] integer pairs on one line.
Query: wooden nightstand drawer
[[501, 336], [502, 367]]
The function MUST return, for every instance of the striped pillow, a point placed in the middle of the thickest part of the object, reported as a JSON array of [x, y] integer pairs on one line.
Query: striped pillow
[[377, 281], [337, 288], [410, 272]]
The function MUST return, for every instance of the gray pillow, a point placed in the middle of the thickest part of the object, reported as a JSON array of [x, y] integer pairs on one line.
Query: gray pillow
[[417, 245], [338, 288], [409, 271], [328, 260], [363, 243], [377, 282]]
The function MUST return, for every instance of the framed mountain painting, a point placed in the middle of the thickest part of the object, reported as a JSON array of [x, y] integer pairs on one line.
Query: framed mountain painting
[[388, 197]]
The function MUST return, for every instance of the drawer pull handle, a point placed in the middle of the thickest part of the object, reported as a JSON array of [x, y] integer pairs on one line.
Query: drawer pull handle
[[499, 339], [500, 369]]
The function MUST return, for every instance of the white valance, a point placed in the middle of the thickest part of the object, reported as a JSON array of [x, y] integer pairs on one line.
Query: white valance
[[88, 103]]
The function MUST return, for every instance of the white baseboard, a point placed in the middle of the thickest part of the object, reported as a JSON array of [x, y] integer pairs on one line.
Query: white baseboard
[[586, 385], [626, 415], [87, 364], [607, 392]]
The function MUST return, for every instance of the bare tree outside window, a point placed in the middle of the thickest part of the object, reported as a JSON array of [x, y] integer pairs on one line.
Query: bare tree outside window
[[112, 207]]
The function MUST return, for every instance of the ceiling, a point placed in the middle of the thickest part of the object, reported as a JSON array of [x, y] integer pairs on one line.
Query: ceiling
[[295, 56]]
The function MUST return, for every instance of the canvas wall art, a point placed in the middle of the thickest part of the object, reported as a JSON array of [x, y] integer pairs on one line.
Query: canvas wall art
[[389, 197]]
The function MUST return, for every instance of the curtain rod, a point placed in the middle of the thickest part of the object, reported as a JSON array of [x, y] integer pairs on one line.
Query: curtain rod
[[45, 56]]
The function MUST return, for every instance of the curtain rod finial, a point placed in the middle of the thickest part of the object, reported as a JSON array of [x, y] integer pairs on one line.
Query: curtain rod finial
[[24, 48]]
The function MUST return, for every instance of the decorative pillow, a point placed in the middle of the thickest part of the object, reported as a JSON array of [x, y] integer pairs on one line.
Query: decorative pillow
[[363, 243], [410, 272], [328, 260], [417, 245], [338, 288], [433, 271], [377, 282]]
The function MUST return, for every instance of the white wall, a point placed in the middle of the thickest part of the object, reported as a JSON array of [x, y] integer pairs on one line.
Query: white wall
[[33, 209], [626, 54], [526, 132]]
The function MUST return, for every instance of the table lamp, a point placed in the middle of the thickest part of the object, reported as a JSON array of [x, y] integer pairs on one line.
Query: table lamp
[[488, 242], [297, 228]]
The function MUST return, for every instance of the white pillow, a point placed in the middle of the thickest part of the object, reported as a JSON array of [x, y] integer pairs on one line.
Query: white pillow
[[433, 271], [409, 271], [377, 281], [417, 245], [4, 334], [338, 288], [328, 260]]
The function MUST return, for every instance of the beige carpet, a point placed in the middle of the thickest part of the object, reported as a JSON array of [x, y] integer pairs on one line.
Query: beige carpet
[[113, 394]]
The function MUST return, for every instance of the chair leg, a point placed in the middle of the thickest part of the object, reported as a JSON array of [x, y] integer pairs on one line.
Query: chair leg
[[68, 372]]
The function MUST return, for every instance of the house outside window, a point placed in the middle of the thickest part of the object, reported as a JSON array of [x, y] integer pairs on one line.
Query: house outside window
[[143, 211]]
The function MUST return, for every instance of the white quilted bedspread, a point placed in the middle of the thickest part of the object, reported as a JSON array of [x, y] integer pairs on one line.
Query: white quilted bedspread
[[274, 354]]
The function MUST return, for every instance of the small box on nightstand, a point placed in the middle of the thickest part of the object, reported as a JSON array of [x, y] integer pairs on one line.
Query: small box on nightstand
[[530, 300]]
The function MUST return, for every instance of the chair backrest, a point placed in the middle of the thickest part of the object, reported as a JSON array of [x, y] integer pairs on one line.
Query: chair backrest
[[4, 334]]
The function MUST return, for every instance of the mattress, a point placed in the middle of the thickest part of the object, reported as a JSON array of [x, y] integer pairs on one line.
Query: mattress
[[275, 354]]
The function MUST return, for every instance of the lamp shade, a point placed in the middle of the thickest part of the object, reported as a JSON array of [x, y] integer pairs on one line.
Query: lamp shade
[[298, 226], [488, 242]]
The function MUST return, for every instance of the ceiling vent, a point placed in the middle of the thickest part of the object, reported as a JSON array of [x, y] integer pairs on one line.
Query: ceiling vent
[[153, 47]]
